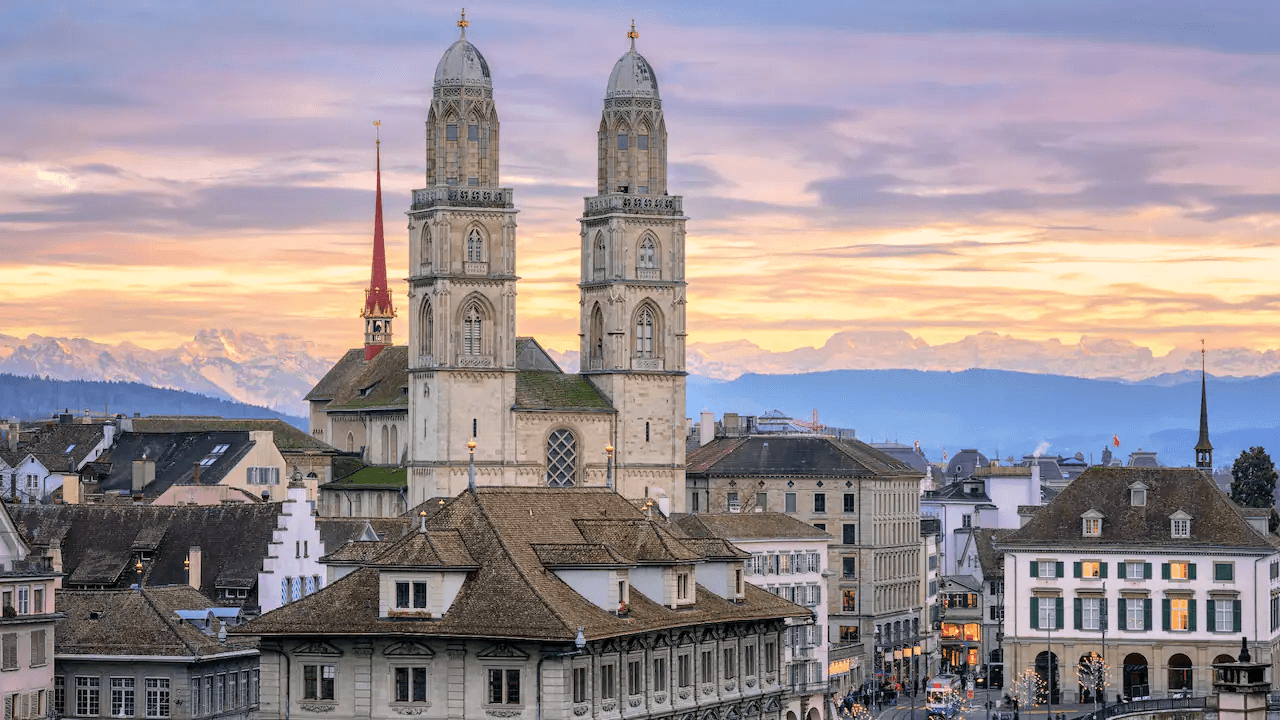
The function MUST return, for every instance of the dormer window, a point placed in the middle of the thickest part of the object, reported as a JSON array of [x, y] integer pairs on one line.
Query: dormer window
[[1092, 524], [411, 595], [622, 592], [682, 586], [1180, 525], [1138, 495]]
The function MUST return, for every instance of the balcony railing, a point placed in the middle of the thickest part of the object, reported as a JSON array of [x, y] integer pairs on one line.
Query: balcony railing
[[497, 198], [1145, 707], [595, 363], [425, 361], [475, 361], [475, 268], [646, 364], [634, 204], [648, 274]]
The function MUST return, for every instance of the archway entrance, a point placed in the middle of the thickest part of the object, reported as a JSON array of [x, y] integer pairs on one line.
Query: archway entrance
[[1047, 669], [1180, 674], [1092, 675], [1137, 686], [813, 714]]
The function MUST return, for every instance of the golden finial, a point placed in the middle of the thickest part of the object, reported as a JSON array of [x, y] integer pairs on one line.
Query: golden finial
[[471, 445], [608, 449], [633, 34], [377, 124], [463, 22]]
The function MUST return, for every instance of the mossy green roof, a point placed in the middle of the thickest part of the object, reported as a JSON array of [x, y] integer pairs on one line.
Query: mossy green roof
[[396, 476], [544, 390]]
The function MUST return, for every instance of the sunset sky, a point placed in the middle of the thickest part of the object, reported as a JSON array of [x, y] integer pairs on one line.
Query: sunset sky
[[1041, 169]]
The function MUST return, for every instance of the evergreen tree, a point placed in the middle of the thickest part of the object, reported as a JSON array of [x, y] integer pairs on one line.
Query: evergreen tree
[[1253, 481]]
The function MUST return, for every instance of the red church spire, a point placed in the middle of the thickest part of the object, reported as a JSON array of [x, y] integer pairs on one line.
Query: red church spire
[[378, 310]]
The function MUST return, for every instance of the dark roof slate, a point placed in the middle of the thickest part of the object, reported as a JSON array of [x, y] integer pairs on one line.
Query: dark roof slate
[[379, 383], [134, 622], [746, 526], [336, 531], [287, 438], [1215, 519], [175, 456], [351, 363], [52, 441], [793, 455]]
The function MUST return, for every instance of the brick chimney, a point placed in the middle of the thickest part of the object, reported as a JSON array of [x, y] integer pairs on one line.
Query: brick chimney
[[195, 559]]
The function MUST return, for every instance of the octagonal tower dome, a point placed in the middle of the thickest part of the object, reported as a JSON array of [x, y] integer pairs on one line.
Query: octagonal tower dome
[[632, 75], [462, 64]]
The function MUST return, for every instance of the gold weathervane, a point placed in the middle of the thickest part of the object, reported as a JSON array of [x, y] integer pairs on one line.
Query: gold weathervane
[[633, 34], [463, 22]]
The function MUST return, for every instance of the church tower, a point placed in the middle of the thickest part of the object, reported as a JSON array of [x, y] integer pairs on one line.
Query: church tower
[[462, 286], [378, 311], [633, 285], [1204, 449]]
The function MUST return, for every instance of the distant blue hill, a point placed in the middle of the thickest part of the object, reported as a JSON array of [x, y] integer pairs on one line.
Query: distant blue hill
[[32, 398], [1014, 412]]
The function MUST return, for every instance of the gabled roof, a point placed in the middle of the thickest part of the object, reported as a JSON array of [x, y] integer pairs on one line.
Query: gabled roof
[[350, 364], [543, 390], [955, 492], [1216, 521], [378, 384], [513, 594], [135, 622], [56, 444], [531, 356], [991, 559], [287, 438], [336, 531], [747, 526], [441, 549], [98, 541], [793, 455], [175, 456]]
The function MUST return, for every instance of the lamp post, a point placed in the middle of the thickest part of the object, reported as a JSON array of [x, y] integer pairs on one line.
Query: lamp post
[[1100, 680], [471, 465], [1048, 669], [608, 468]]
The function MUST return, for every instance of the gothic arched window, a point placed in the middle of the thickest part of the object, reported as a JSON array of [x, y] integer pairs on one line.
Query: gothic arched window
[[598, 257], [644, 332], [351, 442], [386, 446], [393, 456], [475, 245], [596, 340], [426, 329], [647, 254], [562, 458], [425, 260], [472, 330]]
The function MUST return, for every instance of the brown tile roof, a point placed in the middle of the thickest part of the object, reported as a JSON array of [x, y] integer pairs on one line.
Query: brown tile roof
[[433, 549], [51, 443], [134, 622], [716, 549], [336, 531], [287, 438], [512, 594], [356, 551], [793, 455], [991, 559], [542, 390], [558, 555], [351, 363], [747, 526], [379, 383], [1215, 519]]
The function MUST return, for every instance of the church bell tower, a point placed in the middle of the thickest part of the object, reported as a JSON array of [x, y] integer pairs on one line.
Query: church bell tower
[[378, 310], [633, 285]]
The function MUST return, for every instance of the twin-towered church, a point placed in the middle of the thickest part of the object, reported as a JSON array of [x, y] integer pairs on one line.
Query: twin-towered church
[[465, 375]]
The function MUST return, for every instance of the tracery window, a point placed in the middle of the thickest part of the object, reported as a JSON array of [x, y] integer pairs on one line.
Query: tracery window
[[644, 333], [426, 329], [598, 258], [562, 458], [472, 329], [647, 255], [475, 246], [597, 336]]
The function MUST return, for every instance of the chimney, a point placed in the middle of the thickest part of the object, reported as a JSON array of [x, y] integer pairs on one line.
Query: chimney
[[13, 433], [706, 428], [195, 473], [194, 556], [1034, 490], [144, 473]]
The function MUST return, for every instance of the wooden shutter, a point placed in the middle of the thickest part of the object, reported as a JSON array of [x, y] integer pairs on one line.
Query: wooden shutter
[[1078, 604], [1121, 570], [1102, 569], [1075, 569], [1146, 613], [1058, 611], [1164, 611], [1191, 571], [1191, 614], [1235, 616], [1122, 620], [1146, 571], [1210, 621], [1164, 571], [1102, 613], [1035, 569], [1035, 609], [1059, 573]]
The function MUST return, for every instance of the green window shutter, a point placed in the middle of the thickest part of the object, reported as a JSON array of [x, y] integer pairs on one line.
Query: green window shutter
[[1164, 571], [1210, 622], [1235, 616], [1079, 610], [1102, 614], [1146, 571], [1164, 611], [1035, 610], [1191, 571], [1035, 568], [1191, 615], [1146, 614], [1075, 569], [1059, 573], [1057, 610], [1120, 570], [1102, 568], [1121, 620]]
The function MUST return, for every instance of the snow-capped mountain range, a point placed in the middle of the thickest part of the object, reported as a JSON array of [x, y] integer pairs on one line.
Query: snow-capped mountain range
[[271, 371], [277, 371]]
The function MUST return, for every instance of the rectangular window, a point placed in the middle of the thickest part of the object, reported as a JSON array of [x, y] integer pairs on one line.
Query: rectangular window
[[87, 696], [1223, 615], [708, 666], [730, 669], [966, 520], [37, 601], [1179, 571], [770, 657], [1048, 569], [849, 633], [1090, 569], [850, 502], [451, 131], [635, 678], [607, 682], [1181, 528], [682, 586], [1090, 612], [1133, 570], [642, 142], [734, 505], [849, 600], [579, 684], [1275, 613], [684, 670], [473, 182], [850, 567], [39, 645], [1048, 613], [60, 694], [473, 132], [1178, 614], [9, 651], [749, 660], [762, 501], [849, 534], [24, 600], [121, 697], [402, 595], [419, 595], [1092, 527], [504, 687], [789, 502], [317, 682], [660, 674], [1224, 572], [819, 502], [623, 141], [157, 697]]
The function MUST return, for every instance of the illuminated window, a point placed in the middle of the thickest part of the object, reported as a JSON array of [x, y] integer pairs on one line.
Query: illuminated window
[[1179, 614]]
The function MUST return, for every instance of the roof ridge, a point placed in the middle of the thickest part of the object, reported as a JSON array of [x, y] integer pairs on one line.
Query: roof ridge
[[519, 569], [163, 618]]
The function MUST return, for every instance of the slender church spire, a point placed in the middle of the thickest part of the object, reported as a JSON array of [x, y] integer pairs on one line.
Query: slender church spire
[[378, 311], [1204, 449]]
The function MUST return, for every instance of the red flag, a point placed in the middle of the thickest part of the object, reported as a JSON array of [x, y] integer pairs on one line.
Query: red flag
[[1116, 440]]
